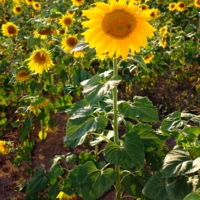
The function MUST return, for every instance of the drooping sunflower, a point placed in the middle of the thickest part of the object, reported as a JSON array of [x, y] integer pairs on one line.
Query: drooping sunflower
[[44, 32], [66, 21], [69, 43], [197, 3], [148, 58], [172, 6], [29, 2], [163, 29], [117, 28], [63, 195], [163, 42], [78, 2], [21, 75], [79, 54], [144, 7], [181, 6], [9, 29], [39, 103], [3, 147], [17, 10], [36, 5], [40, 60]]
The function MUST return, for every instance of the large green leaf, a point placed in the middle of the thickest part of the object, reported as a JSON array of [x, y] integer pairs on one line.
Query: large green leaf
[[53, 191], [38, 182], [191, 132], [95, 182], [141, 108], [178, 162], [118, 155], [155, 188], [95, 89], [55, 171], [76, 128], [135, 148], [177, 187], [193, 196]]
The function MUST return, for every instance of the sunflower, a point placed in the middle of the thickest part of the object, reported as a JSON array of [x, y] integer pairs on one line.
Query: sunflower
[[3, 147], [181, 6], [40, 60], [66, 21], [78, 2], [2, 1], [79, 54], [22, 75], [39, 103], [197, 3], [69, 43], [148, 58], [154, 13], [70, 13], [144, 7], [163, 42], [172, 6], [137, 1], [17, 9], [9, 29], [117, 28], [29, 2], [44, 32], [102, 56], [163, 29], [36, 5], [62, 32], [63, 195]]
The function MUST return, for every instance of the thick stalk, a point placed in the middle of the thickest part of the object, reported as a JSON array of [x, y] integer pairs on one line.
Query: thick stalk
[[116, 135]]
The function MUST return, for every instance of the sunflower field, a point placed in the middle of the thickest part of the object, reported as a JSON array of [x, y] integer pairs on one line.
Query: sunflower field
[[100, 99]]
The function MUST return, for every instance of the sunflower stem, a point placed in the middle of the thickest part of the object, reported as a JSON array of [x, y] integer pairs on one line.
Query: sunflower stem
[[116, 135]]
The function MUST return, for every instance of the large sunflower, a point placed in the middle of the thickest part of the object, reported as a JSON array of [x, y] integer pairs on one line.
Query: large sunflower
[[117, 28], [40, 60], [69, 43], [197, 3], [22, 75], [17, 10], [9, 29], [172, 6], [181, 6], [66, 21], [78, 2]]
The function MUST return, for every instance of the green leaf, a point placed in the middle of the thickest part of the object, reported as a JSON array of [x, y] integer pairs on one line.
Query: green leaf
[[138, 59], [191, 132], [141, 108], [76, 142], [118, 155], [95, 182], [55, 171], [95, 89], [33, 41], [53, 191], [178, 162], [76, 128], [177, 188], [84, 157], [135, 148], [38, 182], [71, 158], [193, 196], [155, 187], [196, 119]]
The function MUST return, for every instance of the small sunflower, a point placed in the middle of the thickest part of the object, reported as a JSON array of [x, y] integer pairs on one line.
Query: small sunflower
[[39, 103], [66, 21], [78, 2], [172, 6], [69, 43], [2, 1], [3, 147], [29, 2], [17, 10], [181, 6], [165, 34], [40, 60], [154, 13], [9, 29], [117, 28], [22, 75], [144, 7], [163, 42], [79, 54], [148, 58], [70, 13], [163, 29], [63, 195], [62, 32], [36, 5], [197, 3], [44, 32]]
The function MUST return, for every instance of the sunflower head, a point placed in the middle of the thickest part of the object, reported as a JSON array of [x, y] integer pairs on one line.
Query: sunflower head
[[29, 2], [2, 1], [69, 43], [144, 7], [163, 29], [9, 29], [44, 32], [70, 13], [163, 42], [78, 2], [117, 28], [36, 5], [63, 195], [22, 75], [181, 6], [4, 147], [197, 3], [39, 103], [62, 31], [40, 60], [148, 58], [17, 10], [66, 21], [79, 54], [172, 6], [154, 13]]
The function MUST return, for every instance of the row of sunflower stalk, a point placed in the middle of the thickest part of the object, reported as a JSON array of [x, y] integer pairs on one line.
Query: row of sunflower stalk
[[51, 53]]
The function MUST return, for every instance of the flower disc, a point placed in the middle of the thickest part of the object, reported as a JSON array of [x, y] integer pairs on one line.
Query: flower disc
[[197, 3], [66, 21], [9, 29], [17, 10], [181, 6], [22, 75], [116, 28], [69, 43]]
